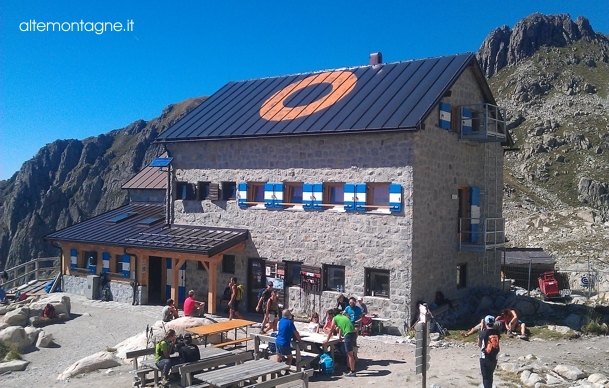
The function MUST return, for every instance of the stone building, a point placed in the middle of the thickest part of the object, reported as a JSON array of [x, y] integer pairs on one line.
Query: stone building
[[382, 181]]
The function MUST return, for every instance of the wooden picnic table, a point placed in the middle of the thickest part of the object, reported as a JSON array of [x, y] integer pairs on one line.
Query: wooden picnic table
[[315, 342], [221, 328], [233, 375]]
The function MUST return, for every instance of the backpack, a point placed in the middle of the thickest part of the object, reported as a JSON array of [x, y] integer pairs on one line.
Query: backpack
[[240, 291], [261, 293], [491, 343], [49, 311], [326, 364]]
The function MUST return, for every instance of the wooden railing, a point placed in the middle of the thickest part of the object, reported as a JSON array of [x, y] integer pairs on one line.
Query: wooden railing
[[43, 268]]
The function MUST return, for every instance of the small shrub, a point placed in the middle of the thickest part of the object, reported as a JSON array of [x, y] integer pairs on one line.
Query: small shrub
[[594, 327], [110, 350], [8, 352], [13, 354]]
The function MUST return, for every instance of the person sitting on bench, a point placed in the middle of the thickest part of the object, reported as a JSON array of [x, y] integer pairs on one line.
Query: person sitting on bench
[[162, 353], [189, 352]]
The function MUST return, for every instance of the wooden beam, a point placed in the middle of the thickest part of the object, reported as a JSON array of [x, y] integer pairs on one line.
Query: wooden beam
[[212, 274]]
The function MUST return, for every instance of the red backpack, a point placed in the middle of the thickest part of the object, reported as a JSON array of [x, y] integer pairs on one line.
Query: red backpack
[[49, 311]]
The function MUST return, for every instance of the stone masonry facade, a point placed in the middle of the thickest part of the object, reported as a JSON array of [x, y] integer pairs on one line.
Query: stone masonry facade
[[419, 246]]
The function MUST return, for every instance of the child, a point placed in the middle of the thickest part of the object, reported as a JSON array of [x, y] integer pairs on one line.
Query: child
[[314, 324]]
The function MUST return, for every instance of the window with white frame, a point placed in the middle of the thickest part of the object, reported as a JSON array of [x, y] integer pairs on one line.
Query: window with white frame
[[377, 282]]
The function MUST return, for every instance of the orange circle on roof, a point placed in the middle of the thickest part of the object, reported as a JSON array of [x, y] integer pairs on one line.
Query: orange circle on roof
[[342, 83]]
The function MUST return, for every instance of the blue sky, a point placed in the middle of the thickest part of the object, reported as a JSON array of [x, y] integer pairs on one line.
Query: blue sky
[[71, 84]]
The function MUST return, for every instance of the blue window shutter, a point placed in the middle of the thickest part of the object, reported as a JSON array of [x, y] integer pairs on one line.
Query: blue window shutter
[[395, 198], [73, 259], [269, 195], [466, 121], [474, 198], [105, 262], [126, 266], [168, 279], [242, 195], [444, 115], [278, 195], [307, 196], [318, 195], [360, 197], [182, 284], [349, 197]]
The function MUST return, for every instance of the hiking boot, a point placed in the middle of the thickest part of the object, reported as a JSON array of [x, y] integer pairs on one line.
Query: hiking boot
[[164, 382], [523, 337]]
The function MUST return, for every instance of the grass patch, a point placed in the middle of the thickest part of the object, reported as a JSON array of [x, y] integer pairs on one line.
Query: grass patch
[[110, 350], [8, 352], [595, 327]]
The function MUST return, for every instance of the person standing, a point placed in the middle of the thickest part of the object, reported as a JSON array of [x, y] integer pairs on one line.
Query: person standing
[[285, 332], [362, 305], [354, 312], [488, 341], [193, 307], [162, 355], [348, 333], [233, 303], [169, 312], [272, 312], [262, 301]]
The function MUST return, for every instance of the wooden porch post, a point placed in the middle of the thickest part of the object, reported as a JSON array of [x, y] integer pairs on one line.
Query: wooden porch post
[[212, 272]]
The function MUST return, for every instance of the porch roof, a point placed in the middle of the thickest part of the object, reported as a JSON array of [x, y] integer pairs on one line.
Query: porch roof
[[142, 225]]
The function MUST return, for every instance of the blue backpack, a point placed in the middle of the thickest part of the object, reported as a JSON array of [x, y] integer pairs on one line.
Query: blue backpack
[[326, 364], [272, 347]]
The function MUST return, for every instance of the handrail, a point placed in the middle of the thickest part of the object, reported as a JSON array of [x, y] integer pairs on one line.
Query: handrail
[[15, 275]]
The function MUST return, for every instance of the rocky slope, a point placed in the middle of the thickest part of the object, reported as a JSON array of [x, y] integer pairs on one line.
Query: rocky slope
[[552, 75], [71, 180]]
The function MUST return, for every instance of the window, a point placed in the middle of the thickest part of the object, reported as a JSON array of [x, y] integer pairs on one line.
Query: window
[[202, 190], [461, 279], [185, 191], [293, 193], [229, 191], [228, 263], [255, 192], [88, 256], [117, 266], [378, 195], [334, 194], [377, 282], [334, 277]]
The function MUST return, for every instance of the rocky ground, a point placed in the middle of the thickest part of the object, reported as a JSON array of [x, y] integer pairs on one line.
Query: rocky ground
[[384, 360]]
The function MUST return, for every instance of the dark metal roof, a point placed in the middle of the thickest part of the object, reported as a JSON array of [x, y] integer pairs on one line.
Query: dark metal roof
[[369, 98], [132, 232], [149, 178], [520, 256]]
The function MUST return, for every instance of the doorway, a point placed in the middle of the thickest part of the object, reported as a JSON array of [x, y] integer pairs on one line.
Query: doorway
[[155, 282], [256, 279]]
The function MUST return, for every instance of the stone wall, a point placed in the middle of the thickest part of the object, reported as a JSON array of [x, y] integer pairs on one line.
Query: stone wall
[[121, 292], [352, 239]]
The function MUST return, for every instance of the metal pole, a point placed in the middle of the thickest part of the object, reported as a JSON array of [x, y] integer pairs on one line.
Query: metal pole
[[529, 284]]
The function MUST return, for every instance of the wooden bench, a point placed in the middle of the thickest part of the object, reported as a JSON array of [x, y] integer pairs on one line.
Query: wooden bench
[[233, 342], [141, 372], [188, 370], [302, 376], [302, 359]]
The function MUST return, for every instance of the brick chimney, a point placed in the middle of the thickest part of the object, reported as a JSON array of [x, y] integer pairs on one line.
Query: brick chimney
[[376, 58]]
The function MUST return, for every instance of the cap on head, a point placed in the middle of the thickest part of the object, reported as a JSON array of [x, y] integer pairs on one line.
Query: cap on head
[[270, 284], [360, 298], [489, 320]]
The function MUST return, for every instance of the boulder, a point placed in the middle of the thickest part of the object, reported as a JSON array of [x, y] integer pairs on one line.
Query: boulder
[[17, 317], [553, 380], [532, 379], [598, 378], [486, 304], [525, 307], [100, 360], [44, 340], [559, 329], [573, 321], [570, 372], [15, 336], [13, 366], [32, 334], [3, 325], [61, 303]]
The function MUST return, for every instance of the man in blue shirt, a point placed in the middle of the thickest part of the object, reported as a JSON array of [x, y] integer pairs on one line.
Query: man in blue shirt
[[355, 313], [285, 331]]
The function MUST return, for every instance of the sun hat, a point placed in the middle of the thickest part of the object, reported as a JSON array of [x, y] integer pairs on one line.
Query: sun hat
[[359, 298], [489, 320]]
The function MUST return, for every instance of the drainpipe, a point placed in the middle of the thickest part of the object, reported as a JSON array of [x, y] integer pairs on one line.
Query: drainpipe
[[60, 263], [133, 283], [168, 191]]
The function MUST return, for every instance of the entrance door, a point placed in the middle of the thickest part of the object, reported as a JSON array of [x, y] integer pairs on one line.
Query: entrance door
[[256, 280], [155, 276]]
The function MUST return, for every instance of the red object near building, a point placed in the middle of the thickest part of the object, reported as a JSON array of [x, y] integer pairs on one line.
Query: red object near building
[[548, 285]]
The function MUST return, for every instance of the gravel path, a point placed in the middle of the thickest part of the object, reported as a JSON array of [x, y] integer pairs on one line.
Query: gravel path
[[385, 361]]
